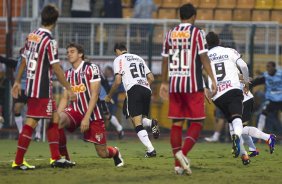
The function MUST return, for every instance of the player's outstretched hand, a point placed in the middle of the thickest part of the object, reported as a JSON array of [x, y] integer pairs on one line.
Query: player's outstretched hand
[[72, 95], [84, 126], [164, 89], [16, 90]]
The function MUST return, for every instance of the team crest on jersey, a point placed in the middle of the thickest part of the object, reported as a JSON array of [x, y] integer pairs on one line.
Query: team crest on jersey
[[82, 75], [99, 136], [78, 88]]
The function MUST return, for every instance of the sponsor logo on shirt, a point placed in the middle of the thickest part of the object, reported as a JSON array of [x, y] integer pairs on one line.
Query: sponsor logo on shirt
[[214, 57], [180, 34], [142, 82], [34, 38], [223, 85], [78, 88]]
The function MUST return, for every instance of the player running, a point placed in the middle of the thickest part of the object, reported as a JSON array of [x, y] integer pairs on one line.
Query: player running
[[136, 77]]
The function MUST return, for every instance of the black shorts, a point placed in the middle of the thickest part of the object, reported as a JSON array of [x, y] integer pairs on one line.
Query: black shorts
[[270, 106], [22, 98], [137, 101], [231, 103], [248, 107]]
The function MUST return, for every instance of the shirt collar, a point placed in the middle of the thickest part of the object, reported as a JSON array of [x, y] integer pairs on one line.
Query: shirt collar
[[45, 30], [78, 68]]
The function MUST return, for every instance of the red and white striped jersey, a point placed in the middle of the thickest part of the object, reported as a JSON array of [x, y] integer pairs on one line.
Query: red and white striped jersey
[[40, 52], [183, 45], [80, 80]]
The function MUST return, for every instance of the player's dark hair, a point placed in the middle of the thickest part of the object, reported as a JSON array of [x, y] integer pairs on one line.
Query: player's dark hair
[[186, 11], [212, 39], [272, 63], [79, 48], [120, 46], [49, 15]]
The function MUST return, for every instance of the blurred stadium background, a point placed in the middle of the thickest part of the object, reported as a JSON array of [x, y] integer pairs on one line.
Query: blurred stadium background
[[253, 27]]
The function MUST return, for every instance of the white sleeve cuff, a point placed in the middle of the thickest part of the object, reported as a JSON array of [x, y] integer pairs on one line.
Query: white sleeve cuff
[[94, 80], [54, 61], [203, 51]]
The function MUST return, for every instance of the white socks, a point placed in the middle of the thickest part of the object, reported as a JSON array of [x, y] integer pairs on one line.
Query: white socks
[[242, 148], [19, 123], [237, 126], [261, 122], [249, 141], [143, 136], [255, 132], [216, 135], [116, 124], [38, 129], [146, 122]]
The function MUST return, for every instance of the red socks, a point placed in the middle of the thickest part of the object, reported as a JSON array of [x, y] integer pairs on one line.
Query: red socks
[[176, 140], [23, 143], [53, 139], [63, 144], [112, 151], [192, 136]]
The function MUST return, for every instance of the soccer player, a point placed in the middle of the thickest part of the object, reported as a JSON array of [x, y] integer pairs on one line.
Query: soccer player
[[40, 61], [272, 79], [136, 77], [84, 112], [229, 98], [184, 55], [20, 102]]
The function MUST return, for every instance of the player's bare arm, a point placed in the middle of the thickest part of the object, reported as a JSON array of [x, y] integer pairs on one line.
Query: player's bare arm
[[61, 78], [164, 85], [63, 102], [245, 73], [207, 66], [94, 90], [114, 87], [150, 78], [16, 90]]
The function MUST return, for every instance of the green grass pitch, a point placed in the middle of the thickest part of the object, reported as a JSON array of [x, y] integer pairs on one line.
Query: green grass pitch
[[211, 163]]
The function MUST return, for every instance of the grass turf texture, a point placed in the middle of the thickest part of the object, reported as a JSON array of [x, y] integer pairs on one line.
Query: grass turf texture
[[211, 163]]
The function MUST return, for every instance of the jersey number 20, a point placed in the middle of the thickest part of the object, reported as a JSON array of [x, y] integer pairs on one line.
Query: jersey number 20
[[134, 70]]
